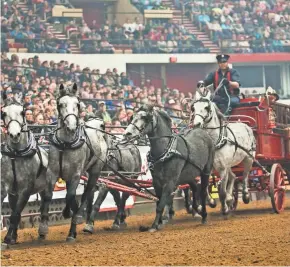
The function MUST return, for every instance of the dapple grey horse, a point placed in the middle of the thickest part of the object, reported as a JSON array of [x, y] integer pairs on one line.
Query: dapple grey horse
[[23, 165], [73, 147], [235, 143], [123, 158], [176, 159]]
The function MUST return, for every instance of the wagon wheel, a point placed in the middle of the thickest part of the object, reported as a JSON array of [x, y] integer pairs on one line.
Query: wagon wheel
[[277, 188]]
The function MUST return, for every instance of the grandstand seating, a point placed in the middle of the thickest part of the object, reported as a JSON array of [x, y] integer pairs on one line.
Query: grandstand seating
[[226, 26]]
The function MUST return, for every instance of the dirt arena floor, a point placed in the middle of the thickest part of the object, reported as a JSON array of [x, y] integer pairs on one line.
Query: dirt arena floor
[[251, 236]]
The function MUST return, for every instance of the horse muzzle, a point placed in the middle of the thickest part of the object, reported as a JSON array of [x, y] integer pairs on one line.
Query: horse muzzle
[[15, 138]]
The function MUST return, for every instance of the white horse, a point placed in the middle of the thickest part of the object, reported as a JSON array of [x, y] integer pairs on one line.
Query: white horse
[[235, 144]]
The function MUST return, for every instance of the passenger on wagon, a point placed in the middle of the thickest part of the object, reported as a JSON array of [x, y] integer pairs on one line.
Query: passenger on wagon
[[228, 95]]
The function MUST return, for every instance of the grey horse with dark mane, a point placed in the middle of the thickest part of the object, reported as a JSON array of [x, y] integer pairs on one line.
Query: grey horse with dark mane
[[23, 165], [176, 159], [122, 158], [74, 149]]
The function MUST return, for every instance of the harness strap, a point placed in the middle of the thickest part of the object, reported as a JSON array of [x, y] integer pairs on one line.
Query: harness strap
[[14, 186], [60, 164], [140, 189], [41, 162]]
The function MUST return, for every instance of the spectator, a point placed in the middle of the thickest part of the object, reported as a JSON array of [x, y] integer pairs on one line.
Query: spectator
[[102, 112]]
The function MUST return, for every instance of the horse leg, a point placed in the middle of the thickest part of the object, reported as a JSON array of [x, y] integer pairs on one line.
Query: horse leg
[[204, 184], [168, 211], [87, 199], [230, 187], [12, 199], [89, 227], [72, 203], [196, 210], [15, 217], [247, 162], [167, 190], [3, 193], [46, 197], [223, 190], [122, 210], [187, 200], [117, 197]]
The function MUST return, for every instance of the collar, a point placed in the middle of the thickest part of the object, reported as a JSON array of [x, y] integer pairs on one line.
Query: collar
[[29, 151], [75, 144]]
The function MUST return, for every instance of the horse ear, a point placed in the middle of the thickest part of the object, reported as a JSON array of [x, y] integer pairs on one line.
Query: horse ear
[[74, 88], [4, 96], [62, 91]]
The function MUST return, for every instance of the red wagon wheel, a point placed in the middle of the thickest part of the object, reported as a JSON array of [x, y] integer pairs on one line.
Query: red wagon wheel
[[277, 188]]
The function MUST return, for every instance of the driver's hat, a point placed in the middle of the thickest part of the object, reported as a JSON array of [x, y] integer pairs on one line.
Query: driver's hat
[[222, 58]]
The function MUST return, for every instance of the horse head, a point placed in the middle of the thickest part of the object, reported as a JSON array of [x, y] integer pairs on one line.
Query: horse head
[[202, 107], [13, 116], [68, 106], [141, 123]]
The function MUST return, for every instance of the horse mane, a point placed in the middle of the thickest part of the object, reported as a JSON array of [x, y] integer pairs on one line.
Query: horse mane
[[220, 115], [165, 116]]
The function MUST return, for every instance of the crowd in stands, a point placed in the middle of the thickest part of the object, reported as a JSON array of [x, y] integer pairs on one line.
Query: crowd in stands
[[244, 26], [156, 36], [29, 28], [111, 96], [30, 31], [238, 26]]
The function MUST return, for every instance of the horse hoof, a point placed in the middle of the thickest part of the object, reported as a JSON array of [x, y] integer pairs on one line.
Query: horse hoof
[[165, 220], [70, 239], [196, 215], [115, 227], [41, 237], [189, 209], [67, 214], [79, 219], [225, 212], [199, 209], [204, 221], [43, 229], [152, 230], [212, 203], [88, 229], [246, 198], [4, 246]]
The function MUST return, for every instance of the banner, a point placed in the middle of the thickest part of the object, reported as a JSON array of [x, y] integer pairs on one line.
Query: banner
[[109, 203]]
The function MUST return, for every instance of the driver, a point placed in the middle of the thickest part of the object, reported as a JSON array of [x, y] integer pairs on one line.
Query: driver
[[228, 95]]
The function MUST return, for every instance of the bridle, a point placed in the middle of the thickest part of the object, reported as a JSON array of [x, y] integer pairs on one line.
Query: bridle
[[149, 119], [22, 125], [62, 119], [209, 115]]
